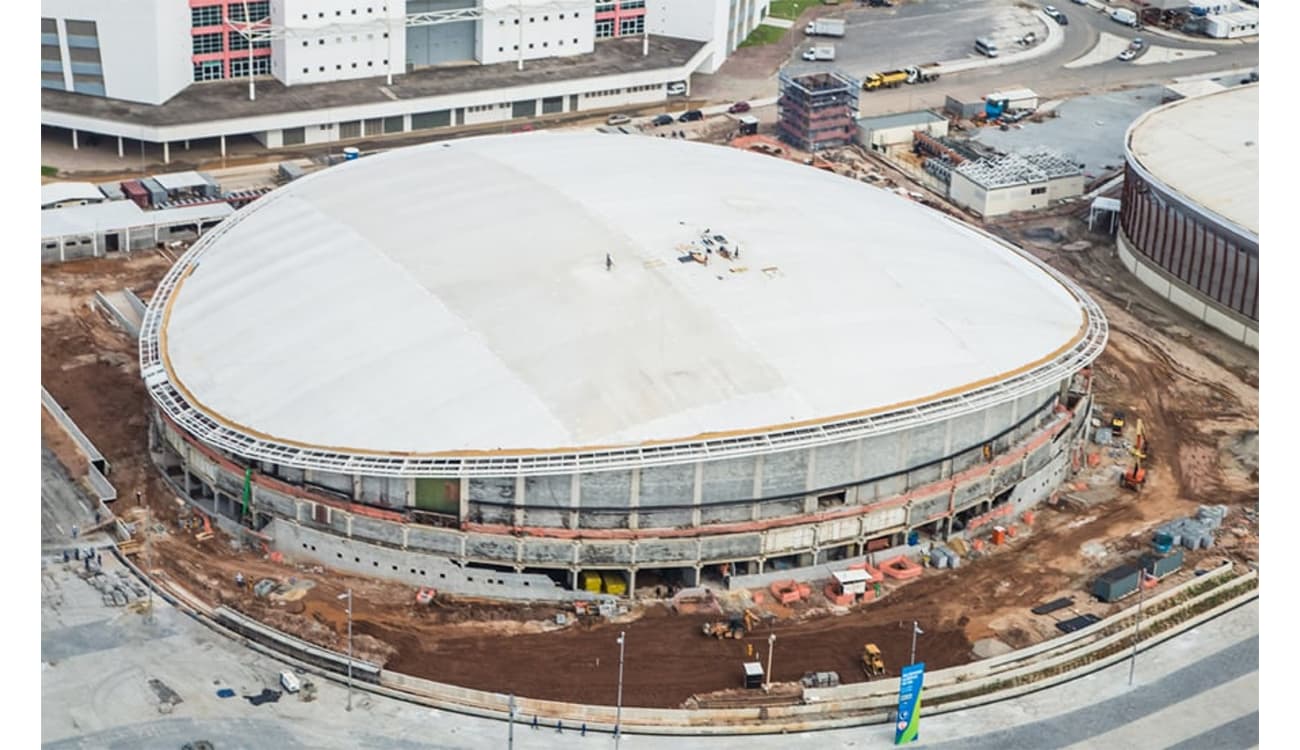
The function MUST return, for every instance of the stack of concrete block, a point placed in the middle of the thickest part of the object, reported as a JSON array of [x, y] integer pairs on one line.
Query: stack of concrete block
[[1191, 533], [943, 557], [1211, 515]]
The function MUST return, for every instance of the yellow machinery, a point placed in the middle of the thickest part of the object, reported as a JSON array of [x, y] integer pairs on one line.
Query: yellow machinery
[[873, 663], [890, 79], [735, 626]]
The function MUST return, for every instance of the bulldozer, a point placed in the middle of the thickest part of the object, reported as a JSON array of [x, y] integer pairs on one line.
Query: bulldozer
[[873, 663], [735, 626]]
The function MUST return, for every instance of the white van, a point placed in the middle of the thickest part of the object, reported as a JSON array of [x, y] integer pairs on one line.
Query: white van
[[289, 681], [986, 47], [1124, 16]]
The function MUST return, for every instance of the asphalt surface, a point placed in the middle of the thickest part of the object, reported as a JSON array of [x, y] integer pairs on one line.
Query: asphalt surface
[[63, 504], [930, 31]]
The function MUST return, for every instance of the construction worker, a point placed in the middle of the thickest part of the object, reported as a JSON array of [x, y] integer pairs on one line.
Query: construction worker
[[75, 531], [534, 721], [559, 726], [609, 262], [239, 580]]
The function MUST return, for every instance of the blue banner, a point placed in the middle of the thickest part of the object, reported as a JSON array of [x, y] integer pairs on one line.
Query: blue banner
[[907, 728]]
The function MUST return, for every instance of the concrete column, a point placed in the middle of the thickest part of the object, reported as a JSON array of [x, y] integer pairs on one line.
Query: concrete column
[[810, 501], [349, 515], [631, 583], [167, 153], [120, 151], [518, 512], [697, 494], [187, 144], [757, 492], [634, 502], [61, 250], [574, 499], [223, 147], [74, 140], [463, 492]]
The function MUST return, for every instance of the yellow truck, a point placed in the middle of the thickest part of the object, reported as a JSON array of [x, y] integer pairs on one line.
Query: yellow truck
[[890, 79]]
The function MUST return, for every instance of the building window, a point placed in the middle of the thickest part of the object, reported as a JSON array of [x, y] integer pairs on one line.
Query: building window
[[604, 29], [1037, 191], [205, 43], [604, 6], [209, 16], [631, 26], [632, 4], [237, 41], [256, 11], [207, 71]]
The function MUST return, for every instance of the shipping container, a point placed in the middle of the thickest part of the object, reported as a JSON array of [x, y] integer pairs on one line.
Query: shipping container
[[614, 582], [1162, 565], [1117, 583], [589, 581]]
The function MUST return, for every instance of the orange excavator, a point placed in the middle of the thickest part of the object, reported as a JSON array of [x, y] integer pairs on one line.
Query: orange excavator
[[1136, 477]]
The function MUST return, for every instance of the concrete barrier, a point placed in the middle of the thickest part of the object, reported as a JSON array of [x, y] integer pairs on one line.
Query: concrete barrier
[[97, 470]]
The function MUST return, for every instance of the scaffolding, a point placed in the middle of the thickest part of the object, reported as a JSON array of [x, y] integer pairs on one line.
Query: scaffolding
[[817, 111]]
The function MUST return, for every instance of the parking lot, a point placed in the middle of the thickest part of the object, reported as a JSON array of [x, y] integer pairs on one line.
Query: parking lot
[[933, 31]]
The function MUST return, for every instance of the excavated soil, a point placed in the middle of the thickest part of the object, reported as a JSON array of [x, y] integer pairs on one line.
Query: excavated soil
[[1196, 393]]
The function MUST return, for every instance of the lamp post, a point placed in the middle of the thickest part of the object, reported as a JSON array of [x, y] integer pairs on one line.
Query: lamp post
[[348, 596], [771, 640], [618, 711], [916, 630], [1137, 624]]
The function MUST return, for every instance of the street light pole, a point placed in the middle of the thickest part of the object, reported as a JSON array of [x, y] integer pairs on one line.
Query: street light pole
[[348, 596], [1137, 624], [618, 711], [916, 630], [771, 640]]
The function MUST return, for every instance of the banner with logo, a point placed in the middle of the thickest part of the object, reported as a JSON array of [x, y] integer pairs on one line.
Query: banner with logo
[[909, 703]]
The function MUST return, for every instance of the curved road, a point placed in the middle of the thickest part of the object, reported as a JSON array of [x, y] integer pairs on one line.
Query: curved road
[[889, 37], [104, 669]]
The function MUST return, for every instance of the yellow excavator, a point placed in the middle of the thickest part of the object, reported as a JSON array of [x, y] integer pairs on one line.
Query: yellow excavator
[[1136, 478], [873, 663]]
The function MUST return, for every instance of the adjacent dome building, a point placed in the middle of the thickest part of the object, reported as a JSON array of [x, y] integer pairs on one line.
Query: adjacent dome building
[[1189, 221], [493, 364]]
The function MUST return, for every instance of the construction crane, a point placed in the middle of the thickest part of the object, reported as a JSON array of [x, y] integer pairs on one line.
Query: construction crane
[[262, 30]]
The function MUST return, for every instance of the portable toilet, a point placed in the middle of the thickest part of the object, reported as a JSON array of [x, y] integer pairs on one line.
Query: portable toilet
[[351, 152]]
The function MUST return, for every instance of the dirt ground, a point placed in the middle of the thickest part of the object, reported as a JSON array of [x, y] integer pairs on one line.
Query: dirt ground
[[1196, 393]]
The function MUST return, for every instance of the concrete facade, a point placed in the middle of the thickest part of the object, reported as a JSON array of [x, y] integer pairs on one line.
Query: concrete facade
[[530, 537], [1189, 217], [133, 50]]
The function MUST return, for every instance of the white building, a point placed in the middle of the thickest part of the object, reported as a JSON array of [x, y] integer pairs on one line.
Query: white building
[[388, 66], [1015, 182], [133, 50], [722, 23]]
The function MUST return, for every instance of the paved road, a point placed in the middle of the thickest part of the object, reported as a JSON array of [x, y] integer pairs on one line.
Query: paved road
[[104, 670], [887, 38]]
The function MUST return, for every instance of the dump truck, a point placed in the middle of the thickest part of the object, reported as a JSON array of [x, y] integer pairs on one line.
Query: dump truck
[[889, 79], [873, 663], [921, 73], [825, 27], [820, 53]]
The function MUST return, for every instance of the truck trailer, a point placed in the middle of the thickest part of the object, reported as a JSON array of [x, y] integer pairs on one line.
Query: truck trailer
[[825, 27]]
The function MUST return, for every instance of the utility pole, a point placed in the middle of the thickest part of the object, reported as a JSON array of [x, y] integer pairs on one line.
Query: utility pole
[[148, 557], [771, 640], [1137, 624], [618, 712], [916, 630], [348, 596]]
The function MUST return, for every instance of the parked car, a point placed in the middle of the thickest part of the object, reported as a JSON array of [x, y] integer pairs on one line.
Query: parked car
[[738, 108], [1055, 14], [617, 119], [662, 120], [676, 89], [691, 115]]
